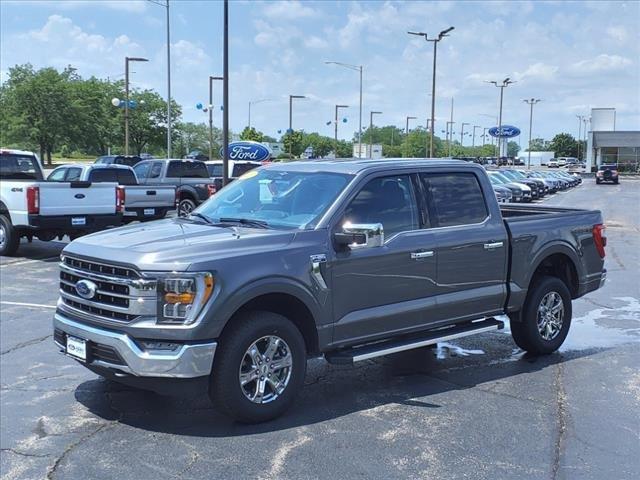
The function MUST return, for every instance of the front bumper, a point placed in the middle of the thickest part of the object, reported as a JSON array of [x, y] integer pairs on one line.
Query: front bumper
[[186, 361]]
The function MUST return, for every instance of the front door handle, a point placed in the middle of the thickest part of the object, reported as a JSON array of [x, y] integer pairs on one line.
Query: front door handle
[[419, 255], [491, 246]]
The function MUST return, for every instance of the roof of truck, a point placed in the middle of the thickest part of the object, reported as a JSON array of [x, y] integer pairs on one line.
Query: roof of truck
[[355, 166]]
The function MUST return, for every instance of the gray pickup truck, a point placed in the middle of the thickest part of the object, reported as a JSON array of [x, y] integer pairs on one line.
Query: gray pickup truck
[[349, 260], [189, 177]]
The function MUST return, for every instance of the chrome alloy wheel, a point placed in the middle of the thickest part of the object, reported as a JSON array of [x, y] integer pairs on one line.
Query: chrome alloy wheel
[[185, 207], [265, 369], [3, 235], [550, 315]]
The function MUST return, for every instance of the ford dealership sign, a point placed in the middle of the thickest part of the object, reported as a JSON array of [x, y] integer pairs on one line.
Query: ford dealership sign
[[247, 150], [506, 131]]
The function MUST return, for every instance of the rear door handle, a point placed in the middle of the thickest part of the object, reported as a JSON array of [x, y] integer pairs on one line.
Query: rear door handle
[[419, 255], [491, 246]]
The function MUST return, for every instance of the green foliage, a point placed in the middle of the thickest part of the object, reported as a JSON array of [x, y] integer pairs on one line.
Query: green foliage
[[387, 135], [539, 145], [252, 134], [512, 149], [564, 145], [195, 136], [294, 143]]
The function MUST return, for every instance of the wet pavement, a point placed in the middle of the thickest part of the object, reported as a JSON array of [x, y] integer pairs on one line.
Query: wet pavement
[[478, 408]]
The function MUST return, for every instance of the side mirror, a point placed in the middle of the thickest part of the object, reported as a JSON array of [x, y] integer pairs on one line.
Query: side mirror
[[360, 235]]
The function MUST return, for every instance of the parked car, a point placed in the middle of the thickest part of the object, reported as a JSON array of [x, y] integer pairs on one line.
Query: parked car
[[553, 163], [607, 173], [562, 161], [33, 208], [520, 192], [197, 155], [503, 194], [128, 160], [141, 202], [330, 258], [551, 185], [189, 177], [535, 183], [237, 168]]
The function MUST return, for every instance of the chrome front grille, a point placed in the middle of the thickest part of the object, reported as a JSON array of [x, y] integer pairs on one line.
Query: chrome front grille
[[121, 294]]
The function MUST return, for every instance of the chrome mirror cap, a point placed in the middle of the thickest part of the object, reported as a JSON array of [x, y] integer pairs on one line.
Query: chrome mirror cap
[[373, 233]]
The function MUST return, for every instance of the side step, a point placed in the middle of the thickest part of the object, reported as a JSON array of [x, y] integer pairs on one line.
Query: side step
[[365, 352]]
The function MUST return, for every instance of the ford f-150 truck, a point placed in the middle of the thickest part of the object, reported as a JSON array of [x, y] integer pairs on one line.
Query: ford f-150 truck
[[141, 202], [349, 260], [31, 207]]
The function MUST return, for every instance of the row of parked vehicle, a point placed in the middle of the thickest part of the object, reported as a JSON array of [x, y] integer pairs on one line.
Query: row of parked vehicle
[[512, 185], [78, 199]]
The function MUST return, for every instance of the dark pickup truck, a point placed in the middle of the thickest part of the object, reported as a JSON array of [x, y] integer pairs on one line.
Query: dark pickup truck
[[349, 260]]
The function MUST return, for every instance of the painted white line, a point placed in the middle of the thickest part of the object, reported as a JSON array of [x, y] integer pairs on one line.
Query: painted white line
[[23, 262], [21, 304]]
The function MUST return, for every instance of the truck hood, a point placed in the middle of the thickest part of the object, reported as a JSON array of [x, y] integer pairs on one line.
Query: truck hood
[[176, 243]]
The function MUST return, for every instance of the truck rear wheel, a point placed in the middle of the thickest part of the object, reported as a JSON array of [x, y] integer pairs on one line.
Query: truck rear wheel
[[259, 367], [545, 318], [9, 238], [185, 207]]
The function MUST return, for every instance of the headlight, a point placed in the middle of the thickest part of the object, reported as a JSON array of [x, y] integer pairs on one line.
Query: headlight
[[181, 296]]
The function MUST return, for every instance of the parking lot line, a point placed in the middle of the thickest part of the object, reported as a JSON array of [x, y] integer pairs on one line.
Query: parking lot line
[[23, 262], [21, 304]]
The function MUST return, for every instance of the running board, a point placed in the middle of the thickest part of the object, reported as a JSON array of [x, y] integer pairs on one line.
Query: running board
[[365, 352]]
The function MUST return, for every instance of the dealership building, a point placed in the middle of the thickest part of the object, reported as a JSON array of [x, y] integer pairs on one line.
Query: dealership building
[[605, 144]]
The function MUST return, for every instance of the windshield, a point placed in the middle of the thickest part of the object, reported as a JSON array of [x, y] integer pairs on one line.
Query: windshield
[[282, 199], [501, 178], [510, 175], [19, 167]]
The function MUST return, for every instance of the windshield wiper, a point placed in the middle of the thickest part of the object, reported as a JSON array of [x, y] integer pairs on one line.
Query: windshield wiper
[[245, 221], [203, 217]]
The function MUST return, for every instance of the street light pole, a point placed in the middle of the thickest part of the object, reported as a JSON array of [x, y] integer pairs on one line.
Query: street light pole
[[484, 136], [473, 144], [336, 129], [580, 117], [531, 103], [255, 102], [357, 68], [225, 96], [441, 35], [505, 83], [126, 101], [450, 134], [211, 79], [406, 130], [462, 133], [291, 97], [371, 114]]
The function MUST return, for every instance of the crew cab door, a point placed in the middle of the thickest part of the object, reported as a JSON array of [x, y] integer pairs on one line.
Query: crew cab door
[[390, 288], [471, 246]]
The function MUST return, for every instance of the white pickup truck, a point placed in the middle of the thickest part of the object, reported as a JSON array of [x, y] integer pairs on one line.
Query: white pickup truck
[[141, 202], [31, 207]]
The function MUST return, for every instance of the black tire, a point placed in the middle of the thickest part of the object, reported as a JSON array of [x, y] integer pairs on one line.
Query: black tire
[[9, 238], [525, 329], [185, 207], [225, 389], [616, 182], [597, 182]]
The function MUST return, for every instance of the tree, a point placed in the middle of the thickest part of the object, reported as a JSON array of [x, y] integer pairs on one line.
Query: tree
[[512, 149], [252, 134], [539, 145], [564, 145], [195, 136], [148, 120], [294, 143], [387, 135], [321, 145]]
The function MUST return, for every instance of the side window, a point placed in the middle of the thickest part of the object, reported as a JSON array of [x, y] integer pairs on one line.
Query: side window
[[73, 175], [386, 200], [156, 170], [456, 198], [142, 169], [57, 175]]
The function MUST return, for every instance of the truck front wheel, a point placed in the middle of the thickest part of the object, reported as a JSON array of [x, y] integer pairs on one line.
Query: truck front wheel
[[9, 238], [259, 367], [545, 318]]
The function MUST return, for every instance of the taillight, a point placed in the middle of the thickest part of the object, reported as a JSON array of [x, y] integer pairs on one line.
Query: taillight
[[599, 239], [33, 200], [599, 174], [120, 197], [211, 188], [614, 172]]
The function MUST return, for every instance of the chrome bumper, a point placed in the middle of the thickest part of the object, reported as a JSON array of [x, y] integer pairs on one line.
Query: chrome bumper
[[603, 278], [187, 361]]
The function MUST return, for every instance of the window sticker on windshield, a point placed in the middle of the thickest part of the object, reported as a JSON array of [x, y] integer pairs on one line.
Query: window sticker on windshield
[[267, 191], [249, 174]]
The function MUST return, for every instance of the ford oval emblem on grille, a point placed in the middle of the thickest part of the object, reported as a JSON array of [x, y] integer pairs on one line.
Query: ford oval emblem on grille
[[86, 289], [79, 195]]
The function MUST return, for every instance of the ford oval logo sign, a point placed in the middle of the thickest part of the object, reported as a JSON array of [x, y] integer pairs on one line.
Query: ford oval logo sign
[[505, 131], [86, 289], [246, 150]]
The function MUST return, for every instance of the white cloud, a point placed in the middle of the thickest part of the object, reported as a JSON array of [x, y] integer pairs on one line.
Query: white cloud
[[601, 63], [537, 71], [315, 42], [292, 10], [618, 33]]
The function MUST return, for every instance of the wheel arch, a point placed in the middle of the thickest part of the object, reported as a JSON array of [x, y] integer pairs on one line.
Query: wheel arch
[[559, 261]]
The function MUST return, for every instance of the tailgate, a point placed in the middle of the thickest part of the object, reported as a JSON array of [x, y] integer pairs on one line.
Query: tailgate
[[143, 196], [77, 198]]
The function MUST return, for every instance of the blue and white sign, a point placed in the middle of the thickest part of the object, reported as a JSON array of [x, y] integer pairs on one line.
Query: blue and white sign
[[506, 131], [247, 150]]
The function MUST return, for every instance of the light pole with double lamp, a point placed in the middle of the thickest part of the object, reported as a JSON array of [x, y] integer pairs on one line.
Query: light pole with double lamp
[[462, 133], [291, 97], [505, 83], [531, 102], [211, 79], [357, 68], [371, 114], [126, 101], [473, 143], [441, 35], [338, 107], [406, 130], [580, 117], [450, 134]]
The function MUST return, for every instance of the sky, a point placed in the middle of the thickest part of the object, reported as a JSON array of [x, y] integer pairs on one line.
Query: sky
[[574, 56]]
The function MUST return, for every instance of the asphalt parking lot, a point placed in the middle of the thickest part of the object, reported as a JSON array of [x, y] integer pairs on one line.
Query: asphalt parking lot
[[478, 408]]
